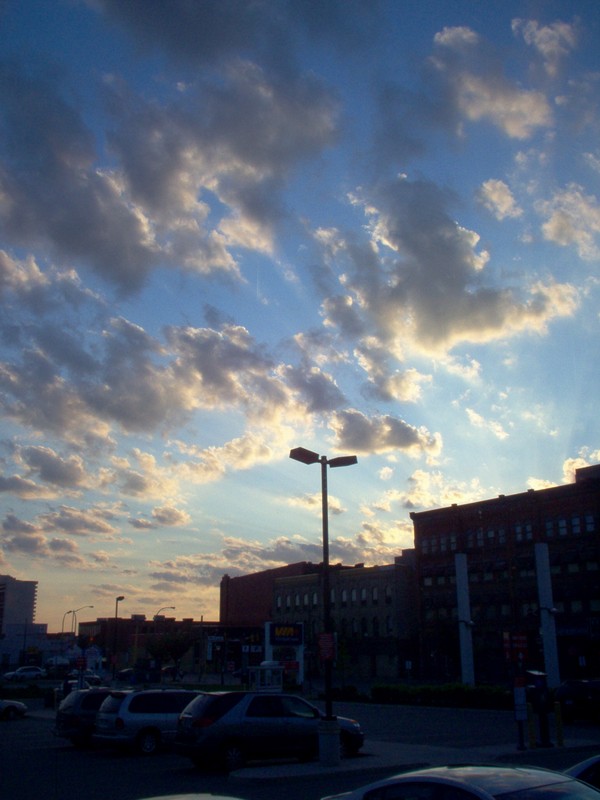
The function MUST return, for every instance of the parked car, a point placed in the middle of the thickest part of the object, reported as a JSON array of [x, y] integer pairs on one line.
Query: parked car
[[474, 783], [588, 771], [12, 709], [144, 720], [76, 714], [579, 699], [235, 727], [25, 674]]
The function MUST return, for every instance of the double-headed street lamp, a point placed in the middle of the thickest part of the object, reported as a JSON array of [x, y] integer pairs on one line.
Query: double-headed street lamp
[[327, 640], [164, 608], [74, 618]]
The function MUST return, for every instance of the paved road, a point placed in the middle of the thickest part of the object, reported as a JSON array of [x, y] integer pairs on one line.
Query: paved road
[[35, 764]]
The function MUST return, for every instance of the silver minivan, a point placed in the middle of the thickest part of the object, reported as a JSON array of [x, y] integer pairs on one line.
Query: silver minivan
[[144, 719]]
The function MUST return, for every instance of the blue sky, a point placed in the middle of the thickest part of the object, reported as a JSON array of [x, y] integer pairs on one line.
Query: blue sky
[[230, 229]]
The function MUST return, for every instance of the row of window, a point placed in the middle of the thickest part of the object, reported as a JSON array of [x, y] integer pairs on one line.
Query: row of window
[[493, 611], [346, 597], [357, 627], [573, 568], [523, 532]]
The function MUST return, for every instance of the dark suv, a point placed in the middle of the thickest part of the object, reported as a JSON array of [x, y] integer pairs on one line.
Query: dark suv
[[234, 727], [76, 715], [143, 719]]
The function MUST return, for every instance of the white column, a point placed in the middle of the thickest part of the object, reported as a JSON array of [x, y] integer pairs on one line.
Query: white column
[[547, 611], [465, 623]]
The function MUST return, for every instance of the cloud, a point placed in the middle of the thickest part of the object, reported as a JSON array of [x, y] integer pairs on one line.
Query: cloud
[[170, 517], [553, 42], [422, 285], [355, 432], [478, 421], [496, 196], [481, 91], [572, 219]]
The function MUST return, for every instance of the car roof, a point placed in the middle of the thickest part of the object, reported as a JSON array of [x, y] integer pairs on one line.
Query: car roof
[[494, 780]]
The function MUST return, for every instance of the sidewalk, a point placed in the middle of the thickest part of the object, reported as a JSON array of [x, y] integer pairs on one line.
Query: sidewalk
[[399, 757]]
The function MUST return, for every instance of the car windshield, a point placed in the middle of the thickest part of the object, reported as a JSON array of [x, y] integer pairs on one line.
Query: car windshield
[[565, 790]]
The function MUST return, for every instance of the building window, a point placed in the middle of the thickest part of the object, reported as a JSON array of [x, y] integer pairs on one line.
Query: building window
[[315, 599], [288, 601], [354, 626], [549, 528], [591, 566], [278, 602], [363, 596], [297, 601], [375, 626], [375, 595], [572, 568], [353, 596], [575, 524], [344, 597], [562, 527], [388, 595], [364, 627], [389, 625], [453, 541], [306, 600], [332, 597], [576, 606], [590, 526]]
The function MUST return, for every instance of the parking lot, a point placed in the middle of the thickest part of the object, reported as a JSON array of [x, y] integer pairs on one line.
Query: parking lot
[[35, 763]]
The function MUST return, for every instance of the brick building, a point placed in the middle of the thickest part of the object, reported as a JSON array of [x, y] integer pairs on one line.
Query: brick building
[[372, 610], [498, 538]]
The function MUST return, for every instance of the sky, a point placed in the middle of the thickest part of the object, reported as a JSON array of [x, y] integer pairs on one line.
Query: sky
[[228, 229]]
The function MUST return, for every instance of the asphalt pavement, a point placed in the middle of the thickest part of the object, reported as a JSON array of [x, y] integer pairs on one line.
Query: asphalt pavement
[[575, 745]]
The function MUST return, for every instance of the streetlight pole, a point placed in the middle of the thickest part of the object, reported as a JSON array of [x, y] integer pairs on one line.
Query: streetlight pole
[[62, 632], [164, 608], [114, 655], [74, 618], [329, 746]]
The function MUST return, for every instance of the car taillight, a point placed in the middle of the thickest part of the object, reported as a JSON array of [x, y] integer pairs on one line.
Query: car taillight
[[202, 722], [119, 724]]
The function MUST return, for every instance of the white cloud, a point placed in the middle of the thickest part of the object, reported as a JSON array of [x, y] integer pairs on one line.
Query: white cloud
[[496, 196]]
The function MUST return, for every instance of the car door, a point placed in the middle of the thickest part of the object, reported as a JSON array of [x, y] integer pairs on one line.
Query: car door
[[263, 727], [301, 726]]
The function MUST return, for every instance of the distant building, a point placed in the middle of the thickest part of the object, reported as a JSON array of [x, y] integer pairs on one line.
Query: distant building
[[17, 601], [247, 600], [21, 640], [497, 538], [373, 615]]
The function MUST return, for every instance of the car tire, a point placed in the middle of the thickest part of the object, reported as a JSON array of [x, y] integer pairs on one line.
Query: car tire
[[9, 713], [348, 749], [232, 756], [147, 742]]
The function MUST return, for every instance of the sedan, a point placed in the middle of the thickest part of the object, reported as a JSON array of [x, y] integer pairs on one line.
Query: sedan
[[86, 675], [11, 709], [475, 783], [25, 674], [588, 771]]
